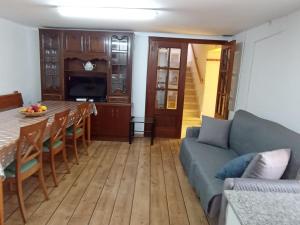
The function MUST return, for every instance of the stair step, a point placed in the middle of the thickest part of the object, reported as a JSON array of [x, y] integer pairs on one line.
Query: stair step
[[190, 98], [189, 86], [189, 92], [191, 105], [191, 113]]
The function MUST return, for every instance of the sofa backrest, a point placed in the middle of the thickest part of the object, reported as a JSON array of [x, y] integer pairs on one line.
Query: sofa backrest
[[250, 133]]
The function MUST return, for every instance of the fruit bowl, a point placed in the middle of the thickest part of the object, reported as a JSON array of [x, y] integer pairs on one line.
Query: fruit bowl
[[34, 110]]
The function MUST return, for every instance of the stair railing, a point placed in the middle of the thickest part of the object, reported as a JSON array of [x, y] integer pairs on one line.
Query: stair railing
[[196, 64]]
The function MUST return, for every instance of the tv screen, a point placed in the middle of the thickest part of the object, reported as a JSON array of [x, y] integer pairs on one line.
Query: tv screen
[[87, 87]]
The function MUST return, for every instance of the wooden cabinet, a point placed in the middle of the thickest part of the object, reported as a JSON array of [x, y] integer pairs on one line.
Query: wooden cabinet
[[119, 81], [63, 56], [111, 122], [85, 42], [95, 42], [73, 42], [51, 64]]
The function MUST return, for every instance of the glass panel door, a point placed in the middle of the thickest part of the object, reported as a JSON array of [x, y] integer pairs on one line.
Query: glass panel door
[[119, 64], [51, 62], [168, 70]]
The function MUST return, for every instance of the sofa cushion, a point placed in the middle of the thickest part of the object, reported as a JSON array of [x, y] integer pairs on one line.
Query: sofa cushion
[[268, 165], [214, 132], [236, 167], [250, 133], [201, 163]]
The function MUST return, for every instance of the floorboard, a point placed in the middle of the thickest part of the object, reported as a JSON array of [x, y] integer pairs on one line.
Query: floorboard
[[116, 184]]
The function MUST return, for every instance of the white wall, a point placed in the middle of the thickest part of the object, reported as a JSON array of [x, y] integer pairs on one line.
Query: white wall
[[19, 60], [269, 77]]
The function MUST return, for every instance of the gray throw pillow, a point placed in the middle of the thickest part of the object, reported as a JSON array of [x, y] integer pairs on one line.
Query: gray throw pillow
[[214, 132], [268, 165]]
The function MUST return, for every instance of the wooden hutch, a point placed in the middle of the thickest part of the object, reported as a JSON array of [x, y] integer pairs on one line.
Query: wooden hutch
[[63, 54]]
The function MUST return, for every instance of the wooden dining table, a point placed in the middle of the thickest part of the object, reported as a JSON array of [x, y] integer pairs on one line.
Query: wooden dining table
[[12, 120]]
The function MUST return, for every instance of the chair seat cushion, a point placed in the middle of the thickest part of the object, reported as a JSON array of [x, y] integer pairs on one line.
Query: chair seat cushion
[[56, 144], [70, 131], [10, 171]]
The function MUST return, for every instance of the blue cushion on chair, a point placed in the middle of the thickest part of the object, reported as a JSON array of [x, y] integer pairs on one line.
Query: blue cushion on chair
[[236, 167], [10, 171], [70, 131], [55, 145]]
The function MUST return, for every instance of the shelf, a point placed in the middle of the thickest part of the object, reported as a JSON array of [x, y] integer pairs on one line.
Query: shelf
[[87, 73]]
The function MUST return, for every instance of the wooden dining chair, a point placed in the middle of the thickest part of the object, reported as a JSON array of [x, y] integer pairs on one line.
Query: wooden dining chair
[[77, 131], [57, 142], [28, 160], [11, 101]]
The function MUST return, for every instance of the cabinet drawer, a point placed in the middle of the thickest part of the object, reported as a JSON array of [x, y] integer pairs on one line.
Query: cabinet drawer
[[53, 97]]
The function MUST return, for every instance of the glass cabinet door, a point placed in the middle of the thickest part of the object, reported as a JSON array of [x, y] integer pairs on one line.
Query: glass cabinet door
[[168, 70], [119, 64], [51, 64]]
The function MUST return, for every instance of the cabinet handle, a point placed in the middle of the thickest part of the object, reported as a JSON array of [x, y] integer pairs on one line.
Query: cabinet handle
[[113, 113]]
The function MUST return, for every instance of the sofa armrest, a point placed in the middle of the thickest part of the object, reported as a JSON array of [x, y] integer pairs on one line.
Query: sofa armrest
[[261, 185], [192, 132]]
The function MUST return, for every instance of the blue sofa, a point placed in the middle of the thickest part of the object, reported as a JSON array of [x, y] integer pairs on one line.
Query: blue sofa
[[248, 133]]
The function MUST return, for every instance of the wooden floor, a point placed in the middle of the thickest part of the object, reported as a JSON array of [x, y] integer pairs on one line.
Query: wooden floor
[[117, 184]]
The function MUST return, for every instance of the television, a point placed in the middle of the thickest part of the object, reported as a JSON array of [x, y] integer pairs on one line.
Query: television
[[90, 87]]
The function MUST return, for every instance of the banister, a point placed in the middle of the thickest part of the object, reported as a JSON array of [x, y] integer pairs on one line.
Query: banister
[[196, 64]]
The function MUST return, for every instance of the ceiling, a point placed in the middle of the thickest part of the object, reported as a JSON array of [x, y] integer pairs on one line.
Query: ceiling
[[206, 17]]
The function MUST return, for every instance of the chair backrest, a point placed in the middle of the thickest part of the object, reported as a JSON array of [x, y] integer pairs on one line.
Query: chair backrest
[[58, 128], [11, 101], [81, 115], [30, 143]]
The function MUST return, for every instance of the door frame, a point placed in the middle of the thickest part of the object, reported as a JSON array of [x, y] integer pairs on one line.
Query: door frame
[[148, 112]]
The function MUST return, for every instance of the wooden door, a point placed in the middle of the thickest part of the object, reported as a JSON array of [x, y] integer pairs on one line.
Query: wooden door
[[95, 42], [73, 42], [165, 85], [224, 85]]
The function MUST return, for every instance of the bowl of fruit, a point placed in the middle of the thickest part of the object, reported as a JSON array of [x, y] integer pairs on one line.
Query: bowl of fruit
[[34, 110]]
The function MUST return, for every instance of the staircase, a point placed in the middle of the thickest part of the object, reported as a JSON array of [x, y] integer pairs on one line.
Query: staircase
[[191, 112]]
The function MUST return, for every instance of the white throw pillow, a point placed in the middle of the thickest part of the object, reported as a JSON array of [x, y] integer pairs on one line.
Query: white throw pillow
[[268, 165]]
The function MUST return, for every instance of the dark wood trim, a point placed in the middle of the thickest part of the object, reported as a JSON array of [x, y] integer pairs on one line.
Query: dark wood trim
[[190, 40]]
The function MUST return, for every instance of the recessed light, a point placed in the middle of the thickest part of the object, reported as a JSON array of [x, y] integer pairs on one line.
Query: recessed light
[[108, 13]]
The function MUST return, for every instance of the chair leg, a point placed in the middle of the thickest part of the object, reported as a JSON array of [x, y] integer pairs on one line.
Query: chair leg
[[75, 151], [53, 171], [85, 145], [64, 155], [10, 184], [21, 200], [42, 183]]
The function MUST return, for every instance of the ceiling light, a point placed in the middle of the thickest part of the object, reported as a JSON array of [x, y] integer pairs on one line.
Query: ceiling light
[[144, 4], [108, 13]]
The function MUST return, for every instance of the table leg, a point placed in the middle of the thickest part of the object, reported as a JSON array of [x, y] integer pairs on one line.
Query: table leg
[[89, 129], [1, 203], [130, 133], [152, 132]]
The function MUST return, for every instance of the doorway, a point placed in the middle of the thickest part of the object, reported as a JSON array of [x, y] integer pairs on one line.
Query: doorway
[[201, 84], [166, 81]]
